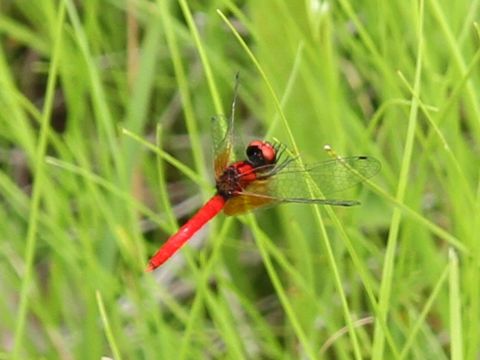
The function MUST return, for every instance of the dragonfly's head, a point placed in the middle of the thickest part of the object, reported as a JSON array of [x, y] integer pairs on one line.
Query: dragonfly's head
[[261, 153]]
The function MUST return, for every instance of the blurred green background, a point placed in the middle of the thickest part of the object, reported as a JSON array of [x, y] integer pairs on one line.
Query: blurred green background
[[105, 149]]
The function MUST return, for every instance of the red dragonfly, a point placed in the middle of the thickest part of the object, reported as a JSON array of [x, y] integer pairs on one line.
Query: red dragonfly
[[268, 176]]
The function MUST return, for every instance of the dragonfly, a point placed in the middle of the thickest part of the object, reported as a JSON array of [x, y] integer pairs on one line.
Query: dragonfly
[[267, 175]]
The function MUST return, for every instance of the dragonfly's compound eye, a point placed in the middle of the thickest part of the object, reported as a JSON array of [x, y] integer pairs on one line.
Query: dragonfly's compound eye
[[261, 153]]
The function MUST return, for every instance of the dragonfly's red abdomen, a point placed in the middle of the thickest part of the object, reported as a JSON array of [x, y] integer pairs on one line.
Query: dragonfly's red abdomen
[[208, 211]]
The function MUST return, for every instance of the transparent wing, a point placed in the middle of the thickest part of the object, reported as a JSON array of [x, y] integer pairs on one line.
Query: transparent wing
[[222, 137], [246, 202], [251, 201], [299, 183]]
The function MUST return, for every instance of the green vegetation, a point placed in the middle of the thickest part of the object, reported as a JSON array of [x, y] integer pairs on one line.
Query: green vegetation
[[105, 150]]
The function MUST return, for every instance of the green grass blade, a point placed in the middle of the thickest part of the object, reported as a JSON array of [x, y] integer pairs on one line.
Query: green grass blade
[[456, 332], [38, 191], [389, 263]]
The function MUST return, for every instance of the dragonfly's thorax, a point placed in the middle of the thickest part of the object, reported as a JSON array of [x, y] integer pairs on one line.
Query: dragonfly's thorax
[[235, 178]]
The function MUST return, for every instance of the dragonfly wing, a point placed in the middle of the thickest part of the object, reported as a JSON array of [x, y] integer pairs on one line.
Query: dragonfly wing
[[300, 183], [222, 136], [246, 202]]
